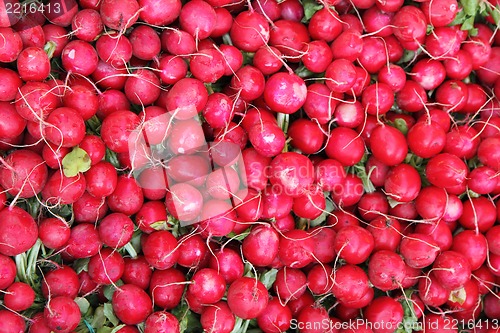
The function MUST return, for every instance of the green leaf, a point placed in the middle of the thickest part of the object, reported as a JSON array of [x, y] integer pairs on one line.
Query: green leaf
[[159, 225], [239, 237], [117, 328], [468, 23], [112, 158], [50, 48], [268, 278], [310, 8], [83, 304], [75, 162], [459, 296], [328, 209], [110, 315], [410, 321], [188, 322], [99, 319], [241, 325], [470, 7], [81, 265]]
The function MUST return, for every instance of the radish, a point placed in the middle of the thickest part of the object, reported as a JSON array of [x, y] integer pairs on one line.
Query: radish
[[7, 271], [345, 146], [384, 310], [79, 57], [350, 284], [62, 314], [354, 244], [250, 31], [11, 322], [87, 25], [19, 296], [452, 270], [391, 148], [261, 235], [160, 249], [16, 221], [12, 46], [289, 37], [402, 183], [247, 298], [23, 173], [119, 15], [131, 304], [106, 267], [114, 49], [34, 101], [137, 271], [159, 12], [166, 287], [63, 190], [386, 270], [228, 263], [65, 127], [198, 19], [207, 286], [161, 321], [83, 242], [62, 281]]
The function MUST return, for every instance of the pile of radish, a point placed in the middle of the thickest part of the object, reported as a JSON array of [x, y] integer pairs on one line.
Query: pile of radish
[[249, 166]]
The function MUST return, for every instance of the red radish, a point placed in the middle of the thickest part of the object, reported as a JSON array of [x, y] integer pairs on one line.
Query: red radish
[[65, 127], [345, 146], [384, 310], [285, 100], [83, 100], [478, 214], [410, 27], [114, 49], [116, 128], [325, 24], [350, 284], [83, 242], [7, 271], [402, 183], [33, 64], [89, 209], [198, 18], [62, 314], [350, 193], [354, 244], [311, 205], [18, 231], [87, 25], [166, 287], [471, 245], [488, 154], [34, 101], [386, 233], [53, 232], [439, 232], [289, 37], [250, 31], [377, 98], [116, 230], [348, 45], [160, 249], [161, 321], [13, 45], [11, 322], [431, 292], [178, 42], [317, 57], [261, 256], [290, 284], [57, 35], [131, 304], [320, 103], [106, 267], [275, 318], [137, 271], [340, 75], [207, 286], [228, 263], [320, 279], [386, 270], [372, 205], [391, 147], [143, 87], [159, 12], [312, 319], [418, 250], [119, 15], [247, 298], [323, 238], [9, 85], [296, 249], [452, 270], [23, 173], [412, 97], [79, 57], [19, 296], [393, 75], [428, 73], [63, 190], [426, 139], [62, 281], [267, 138], [284, 172]]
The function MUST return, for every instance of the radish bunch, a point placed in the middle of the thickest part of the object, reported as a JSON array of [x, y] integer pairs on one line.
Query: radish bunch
[[262, 166]]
